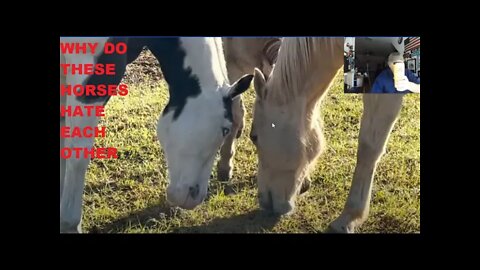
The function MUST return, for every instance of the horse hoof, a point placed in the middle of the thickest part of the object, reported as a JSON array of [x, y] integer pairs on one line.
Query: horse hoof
[[70, 231], [69, 228], [338, 230], [332, 230]]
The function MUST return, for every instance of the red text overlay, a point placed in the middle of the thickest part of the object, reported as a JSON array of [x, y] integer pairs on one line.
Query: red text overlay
[[81, 54]]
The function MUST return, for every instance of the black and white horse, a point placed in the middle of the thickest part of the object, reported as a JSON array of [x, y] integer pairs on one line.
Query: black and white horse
[[191, 128]]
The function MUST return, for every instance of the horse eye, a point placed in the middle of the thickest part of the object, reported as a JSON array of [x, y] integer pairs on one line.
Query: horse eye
[[225, 131]]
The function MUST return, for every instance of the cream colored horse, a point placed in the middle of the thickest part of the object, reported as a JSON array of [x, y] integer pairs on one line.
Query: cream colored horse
[[242, 55], [287, 128]]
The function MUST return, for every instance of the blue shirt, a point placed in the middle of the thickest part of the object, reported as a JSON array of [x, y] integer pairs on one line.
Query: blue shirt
[[384, 82]]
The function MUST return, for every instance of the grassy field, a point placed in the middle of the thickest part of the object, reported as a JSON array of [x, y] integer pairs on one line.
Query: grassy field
[[127, 195]]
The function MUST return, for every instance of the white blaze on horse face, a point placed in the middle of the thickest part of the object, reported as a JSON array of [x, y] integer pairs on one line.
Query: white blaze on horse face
[[190, 143]]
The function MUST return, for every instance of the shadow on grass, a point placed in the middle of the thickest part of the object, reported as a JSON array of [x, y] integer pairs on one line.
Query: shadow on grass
[[256, 221], [231, 187], [142, 217]]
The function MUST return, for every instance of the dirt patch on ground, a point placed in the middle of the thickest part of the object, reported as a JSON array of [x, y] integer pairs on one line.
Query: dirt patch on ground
[[144, 70]]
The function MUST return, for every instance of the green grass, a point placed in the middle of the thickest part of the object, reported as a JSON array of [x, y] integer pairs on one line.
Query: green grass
[[127, 195]]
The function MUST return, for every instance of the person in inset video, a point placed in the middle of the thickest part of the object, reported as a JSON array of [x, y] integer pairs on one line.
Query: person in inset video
[[387, 82]]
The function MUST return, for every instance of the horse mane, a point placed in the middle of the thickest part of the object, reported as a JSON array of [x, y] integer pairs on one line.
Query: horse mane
[[221, 58], [294, 66]]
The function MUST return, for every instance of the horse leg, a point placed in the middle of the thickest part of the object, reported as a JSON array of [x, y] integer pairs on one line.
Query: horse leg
[[75, 169], [62, 142], [63, 100], [62, 161], [227, 152], [380, 114], [239, 113]]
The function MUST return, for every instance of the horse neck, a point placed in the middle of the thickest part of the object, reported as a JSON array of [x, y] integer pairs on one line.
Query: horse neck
[[311, 74], [182, 59], [206, 59], [319, 84], [244, 54]]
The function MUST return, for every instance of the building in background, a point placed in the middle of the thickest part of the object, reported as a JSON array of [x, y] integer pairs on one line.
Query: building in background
[[412, 54]]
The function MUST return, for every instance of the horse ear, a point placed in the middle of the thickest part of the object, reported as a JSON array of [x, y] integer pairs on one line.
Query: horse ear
[[240, 86], [271, 49], [259, 83]]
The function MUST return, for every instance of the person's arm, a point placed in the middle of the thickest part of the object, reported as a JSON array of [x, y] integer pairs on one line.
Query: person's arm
[[377, 87], [413, 82], [414, 87]]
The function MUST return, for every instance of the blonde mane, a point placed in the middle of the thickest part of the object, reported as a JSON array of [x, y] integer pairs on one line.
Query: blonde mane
[[299, 61], [221, 57]]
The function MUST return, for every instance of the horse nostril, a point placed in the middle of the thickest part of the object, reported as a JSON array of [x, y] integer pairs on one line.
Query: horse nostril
[[193, 191]]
